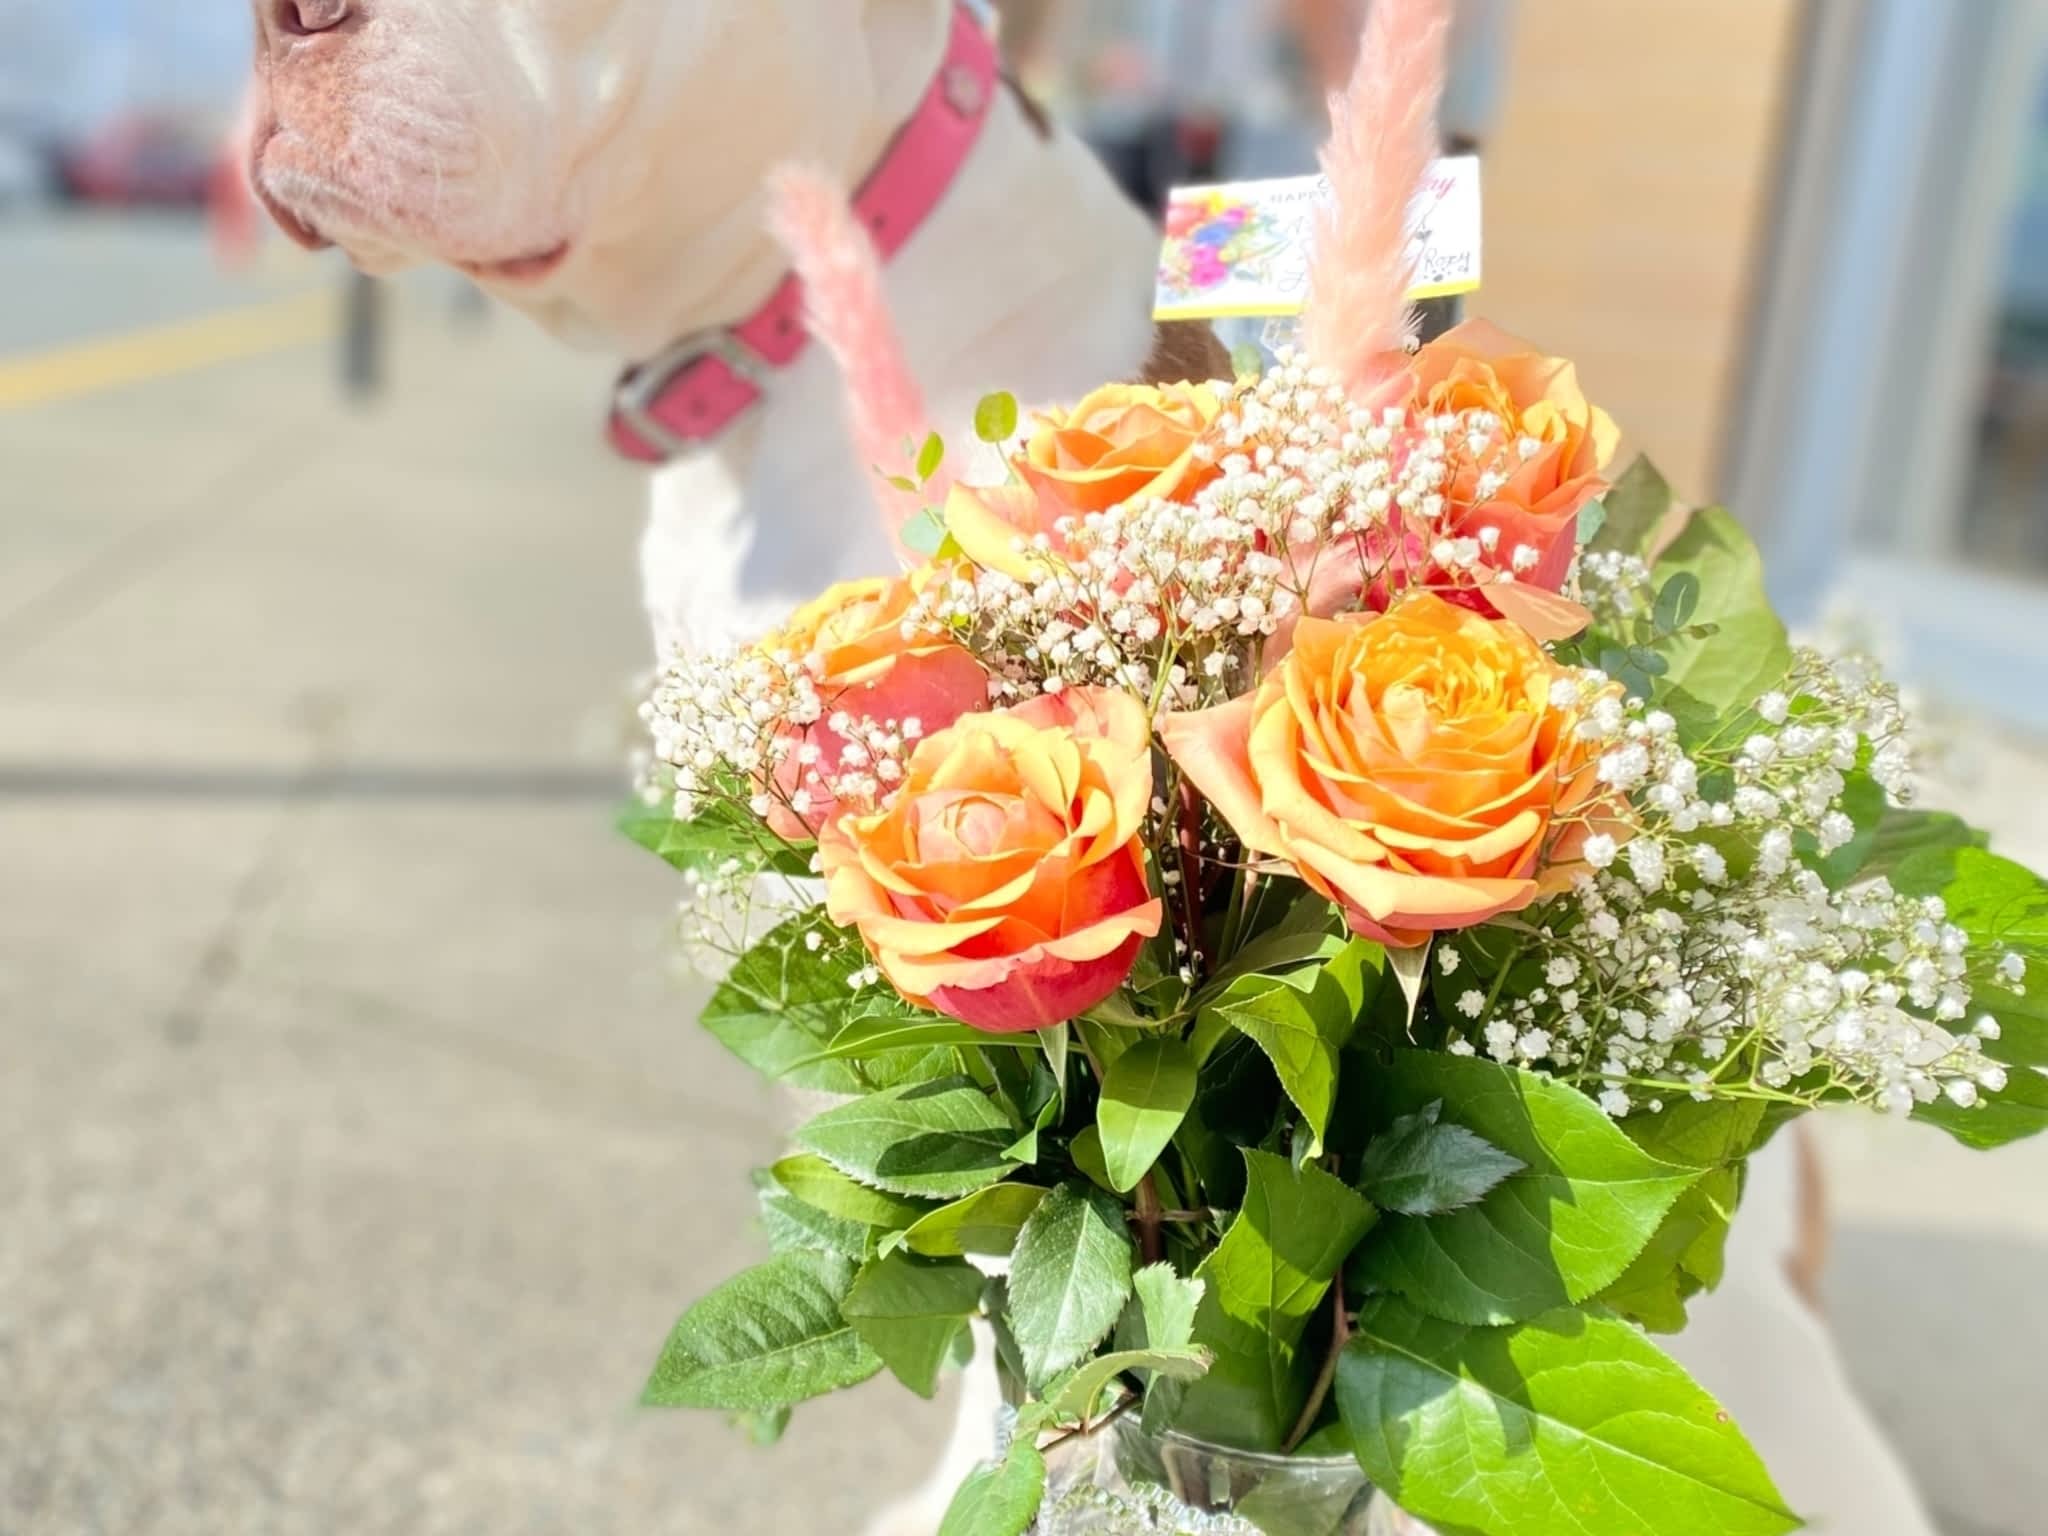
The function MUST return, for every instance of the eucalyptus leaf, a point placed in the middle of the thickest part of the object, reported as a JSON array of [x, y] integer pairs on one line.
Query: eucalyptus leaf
[[995, 418], [941, 1140], [1571, 1424], [911, 1312], [764, 1340], [924, 533], [930, 457], [1069, 1277], [1145, 1096], [1584, 1204]]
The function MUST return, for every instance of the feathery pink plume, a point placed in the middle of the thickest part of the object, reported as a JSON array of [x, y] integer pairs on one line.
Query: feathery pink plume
[[847, 310], [1383, 140]]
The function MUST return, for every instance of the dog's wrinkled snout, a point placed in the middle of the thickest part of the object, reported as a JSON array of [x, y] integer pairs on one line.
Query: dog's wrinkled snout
[[287, 20]]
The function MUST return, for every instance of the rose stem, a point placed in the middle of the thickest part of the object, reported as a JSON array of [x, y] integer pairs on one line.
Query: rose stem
[[1340, 1335], [1151, 1241], [1191, 872]]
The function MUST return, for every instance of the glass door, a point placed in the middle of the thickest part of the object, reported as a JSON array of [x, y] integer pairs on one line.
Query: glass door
[[1891, 439]]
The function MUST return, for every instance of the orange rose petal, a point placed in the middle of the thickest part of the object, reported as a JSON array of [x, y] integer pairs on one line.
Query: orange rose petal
[[1516, 837], [1210, 745], [1107, 936]]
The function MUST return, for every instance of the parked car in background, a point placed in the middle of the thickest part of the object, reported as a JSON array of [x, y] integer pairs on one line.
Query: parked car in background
[[26, 176], [144, 159]]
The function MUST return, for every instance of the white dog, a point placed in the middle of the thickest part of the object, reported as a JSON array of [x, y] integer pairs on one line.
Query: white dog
[[600, 165]]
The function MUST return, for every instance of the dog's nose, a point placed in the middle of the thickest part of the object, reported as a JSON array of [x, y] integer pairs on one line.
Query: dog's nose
[[304, 18]]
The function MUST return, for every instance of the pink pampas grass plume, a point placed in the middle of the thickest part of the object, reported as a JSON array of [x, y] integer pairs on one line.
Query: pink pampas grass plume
[[847, 309], [1383, 141]]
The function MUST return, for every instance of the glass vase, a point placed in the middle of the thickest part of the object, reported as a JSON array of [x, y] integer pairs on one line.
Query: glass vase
[[1121, 1481]]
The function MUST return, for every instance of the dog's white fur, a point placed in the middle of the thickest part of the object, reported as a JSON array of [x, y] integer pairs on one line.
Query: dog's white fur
[[640, 131], [476, 132]]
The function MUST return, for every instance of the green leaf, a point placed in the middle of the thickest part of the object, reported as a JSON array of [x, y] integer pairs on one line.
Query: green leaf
[[1592, 518], [779, 1006], [793, 1227], [1001, 1499], [765, 1339], [941, 1140], [1073, 1397], [1306, 931], [763, 1429], [1303, 1019], [911, 1312], [1166, 1306], [995, 418], [1056, 1042], [1636, 508], [1421, 1168], [2014, 1113], [1024, 1149], [986, 1222], [1569, 1425], [888, 1028], [718, 834], [1728, 671], [1086, 1152], [2003, 907], [1685, 1255], [1145, 1096], [1069, 1276], [930, 457], [822, 1187], [1585, 1203], [1263, 1283], [1863, 802], [1930, 839], [1694, 1135]]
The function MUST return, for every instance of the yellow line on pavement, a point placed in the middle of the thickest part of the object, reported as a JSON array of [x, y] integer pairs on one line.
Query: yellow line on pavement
[[62, 373]]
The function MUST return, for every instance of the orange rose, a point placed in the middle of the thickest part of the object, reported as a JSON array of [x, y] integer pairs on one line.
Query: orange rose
[[1120, 443], [1536, 399], [852, 643], [1411, 766], [1004, 885]]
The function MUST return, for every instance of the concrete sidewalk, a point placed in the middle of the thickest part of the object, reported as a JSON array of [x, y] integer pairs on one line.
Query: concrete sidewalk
[[357, 1148]]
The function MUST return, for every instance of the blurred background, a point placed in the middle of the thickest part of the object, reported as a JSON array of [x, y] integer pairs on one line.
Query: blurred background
[[356, 1146]]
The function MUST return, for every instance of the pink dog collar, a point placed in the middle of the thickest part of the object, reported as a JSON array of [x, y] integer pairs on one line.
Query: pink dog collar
[[704, 383]]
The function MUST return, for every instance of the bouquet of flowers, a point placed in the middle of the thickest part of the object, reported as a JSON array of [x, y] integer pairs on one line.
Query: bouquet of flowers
[[1329, 888]]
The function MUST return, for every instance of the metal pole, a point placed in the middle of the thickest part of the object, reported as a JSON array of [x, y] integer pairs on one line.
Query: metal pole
[[363, 337]]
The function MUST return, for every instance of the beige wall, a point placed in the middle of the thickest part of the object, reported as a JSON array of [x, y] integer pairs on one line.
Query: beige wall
[[1627, 184]]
